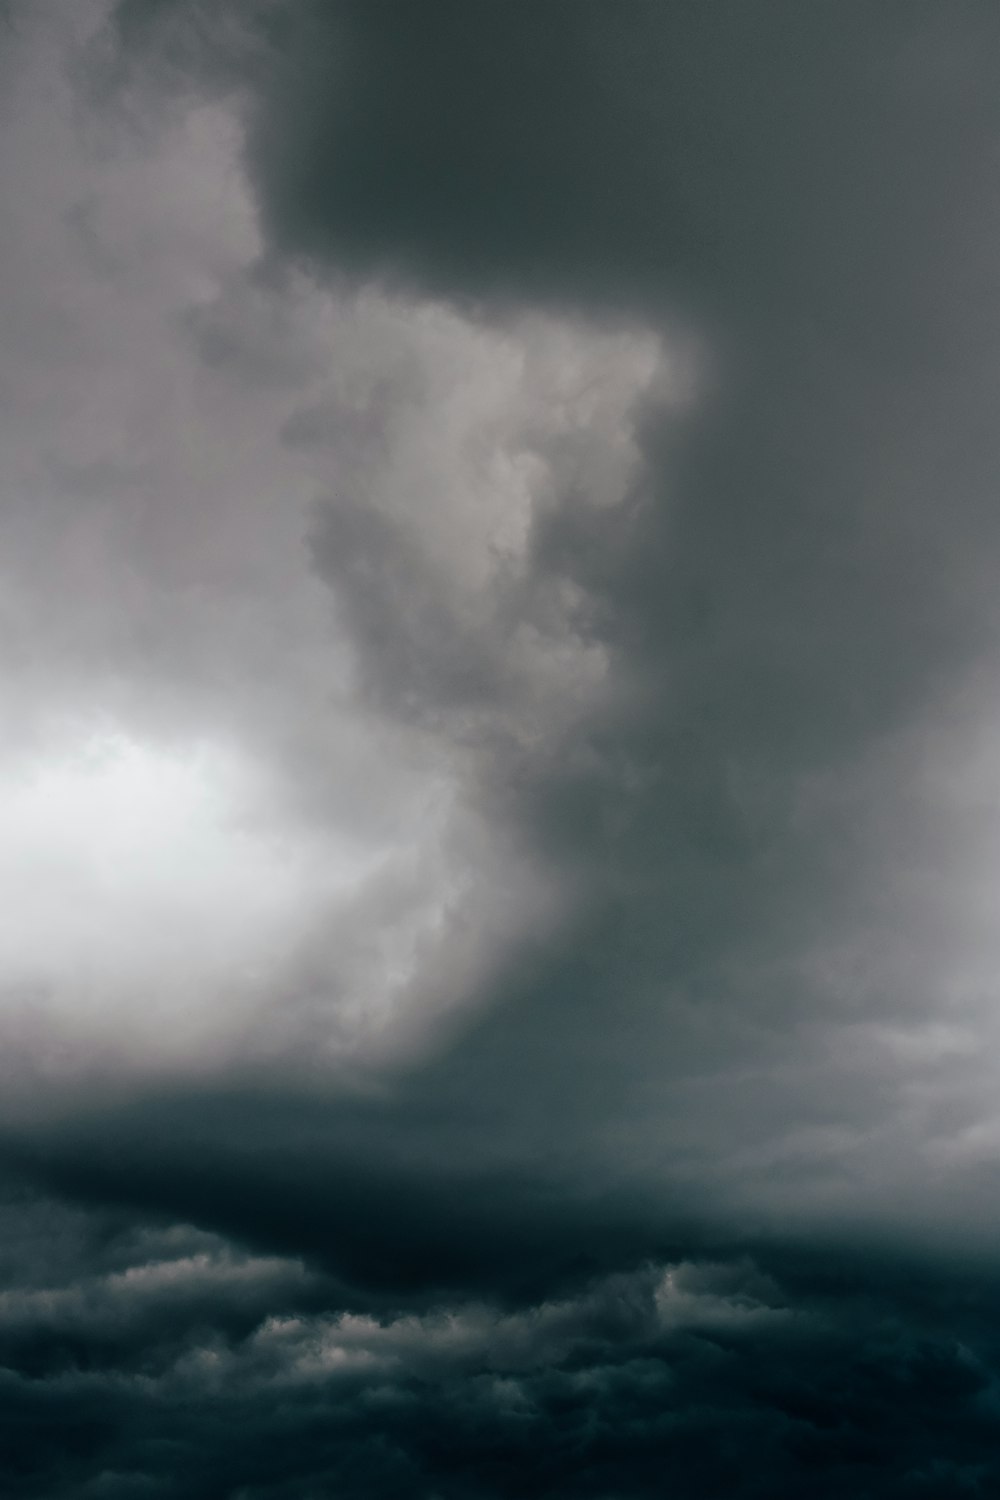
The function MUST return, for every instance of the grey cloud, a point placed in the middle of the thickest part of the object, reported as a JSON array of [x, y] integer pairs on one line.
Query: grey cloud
[[700, 1376], [754, 850], [565, 466], [787, 612]]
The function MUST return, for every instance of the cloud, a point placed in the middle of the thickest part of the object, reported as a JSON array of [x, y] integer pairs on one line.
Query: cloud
[[573, 622], [273, 536], [499, 630], [710, 1374]]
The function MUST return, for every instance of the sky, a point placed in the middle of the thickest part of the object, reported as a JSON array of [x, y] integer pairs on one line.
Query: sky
[[499, 750]]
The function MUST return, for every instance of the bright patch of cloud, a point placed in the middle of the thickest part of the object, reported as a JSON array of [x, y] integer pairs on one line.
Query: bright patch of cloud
[[253, 521]]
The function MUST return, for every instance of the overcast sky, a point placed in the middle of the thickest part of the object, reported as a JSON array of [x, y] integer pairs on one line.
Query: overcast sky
[[499, 749]]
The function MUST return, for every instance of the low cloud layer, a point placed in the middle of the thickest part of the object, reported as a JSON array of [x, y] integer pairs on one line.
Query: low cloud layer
[[498, 795], [167, 1354]]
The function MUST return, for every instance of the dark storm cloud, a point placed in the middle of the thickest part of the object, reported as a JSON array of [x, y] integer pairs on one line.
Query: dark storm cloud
[[769, 162], [768, 878], [702, 1378], [755, 1042]]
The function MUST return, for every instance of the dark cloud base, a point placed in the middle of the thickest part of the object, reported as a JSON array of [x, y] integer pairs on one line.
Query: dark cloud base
[[722, 1380]]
